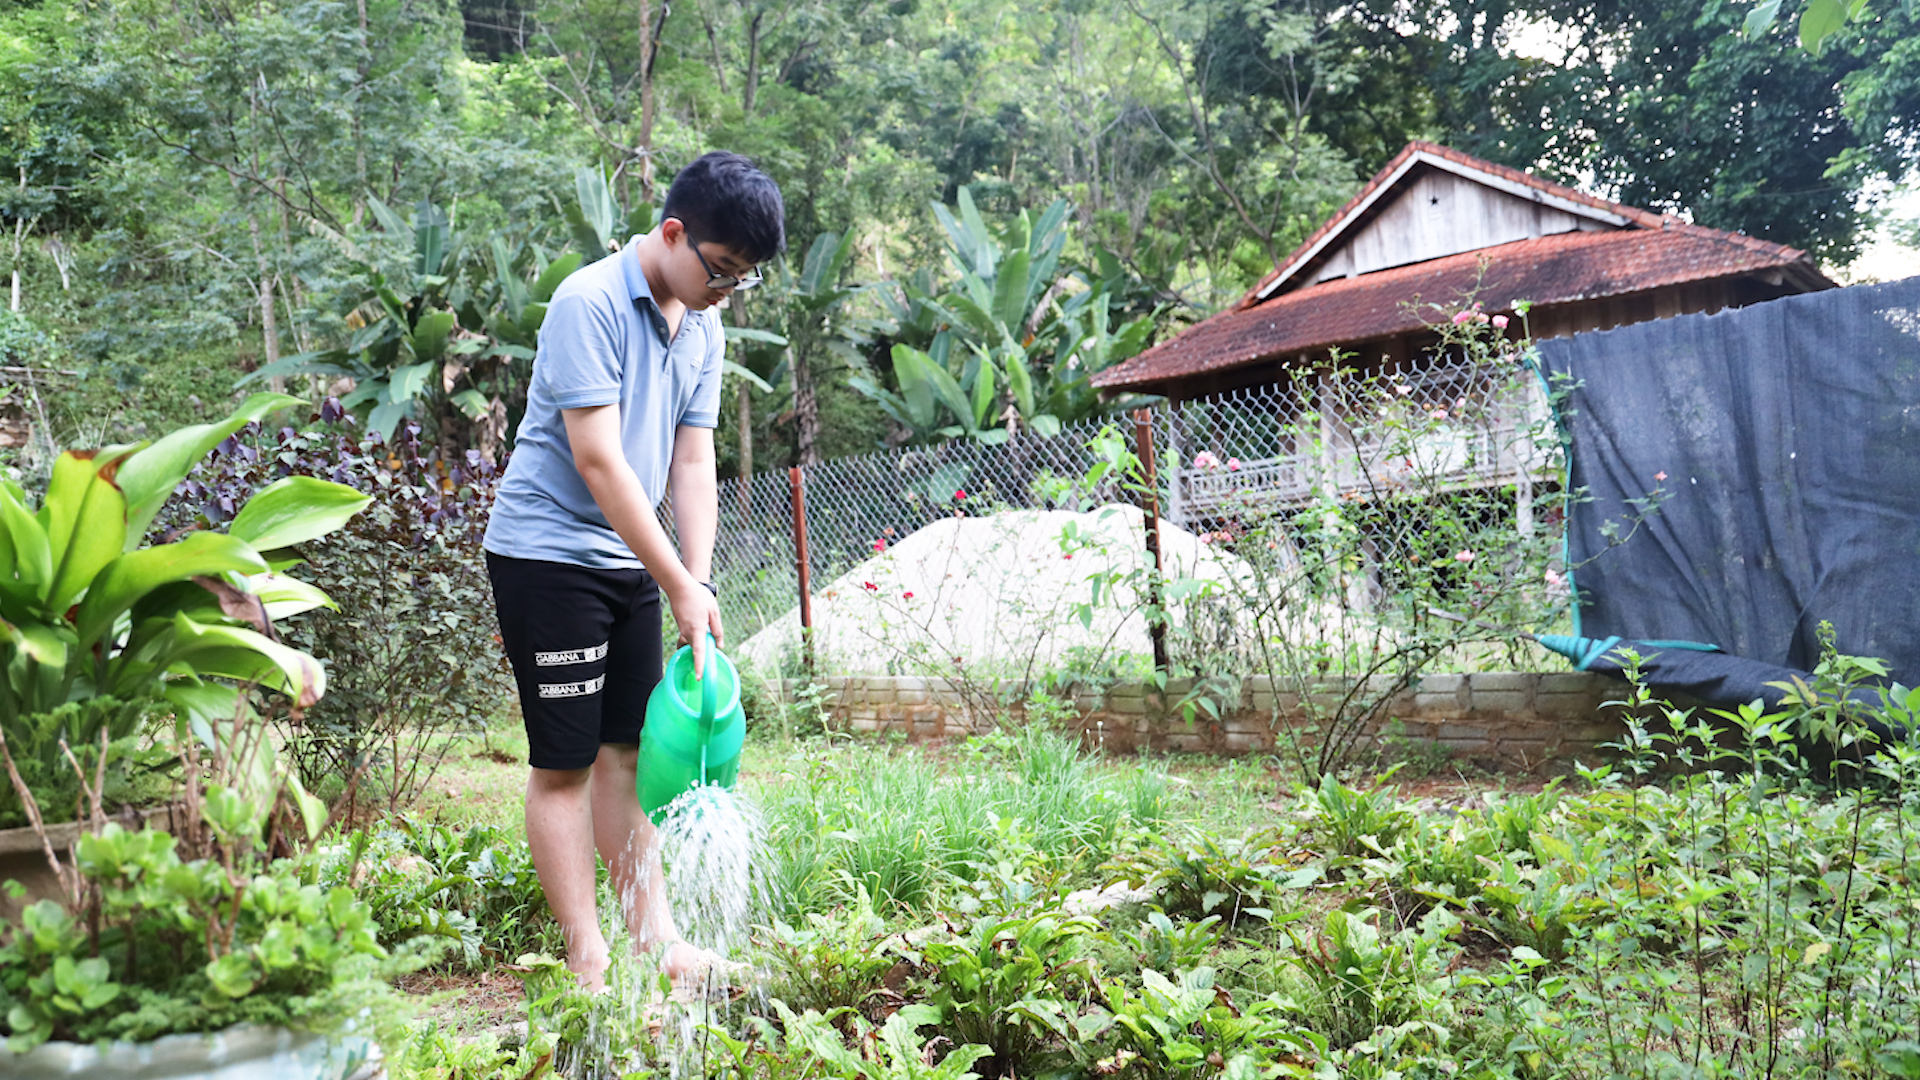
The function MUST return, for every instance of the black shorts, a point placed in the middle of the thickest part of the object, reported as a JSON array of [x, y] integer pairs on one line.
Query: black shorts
[[586, 652]]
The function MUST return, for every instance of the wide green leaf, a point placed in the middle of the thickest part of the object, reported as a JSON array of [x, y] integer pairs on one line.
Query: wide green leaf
[[87, 524], [386, 416], [429, 337], [36, 641], [406, 383], [1020, 381], [597, 209], [746, 373], [149, 476], [471, 402], [938, 380], [1820, 20], [285, 596], [555, 273], [237, 653], [983, 386], [294, 510], [915, 388], [1010, 293], [136, 574], [820, 270], [205, 706], [748, 333], [323, 362], [32, 561]]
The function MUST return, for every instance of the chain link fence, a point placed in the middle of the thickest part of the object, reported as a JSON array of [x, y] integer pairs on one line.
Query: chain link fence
[[1378, 445]]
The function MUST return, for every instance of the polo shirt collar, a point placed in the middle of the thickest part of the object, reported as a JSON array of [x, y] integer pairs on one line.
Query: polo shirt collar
[[638, 289]]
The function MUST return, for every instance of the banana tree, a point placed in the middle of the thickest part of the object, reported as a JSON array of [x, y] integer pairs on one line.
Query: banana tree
[[595, 216], [1008, 342], [97, 626], [431, 337]]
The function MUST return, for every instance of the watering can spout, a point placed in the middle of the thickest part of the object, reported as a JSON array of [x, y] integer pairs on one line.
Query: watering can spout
[[693, 731]]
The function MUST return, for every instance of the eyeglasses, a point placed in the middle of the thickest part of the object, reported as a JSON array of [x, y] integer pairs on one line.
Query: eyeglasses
[[722, 281]]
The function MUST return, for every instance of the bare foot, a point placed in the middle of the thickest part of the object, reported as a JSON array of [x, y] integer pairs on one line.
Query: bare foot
[[590, 967], [683, 962]]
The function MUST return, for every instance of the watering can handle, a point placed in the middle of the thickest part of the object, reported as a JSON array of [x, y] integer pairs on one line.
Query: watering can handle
[[709, 696]]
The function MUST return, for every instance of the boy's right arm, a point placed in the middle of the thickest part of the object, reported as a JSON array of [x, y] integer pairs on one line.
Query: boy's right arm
[[594, 434]]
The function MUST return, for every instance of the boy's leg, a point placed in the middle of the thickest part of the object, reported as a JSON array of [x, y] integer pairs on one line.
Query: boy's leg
[[629, 843], [555, 621], [626, 839], [560, 834]]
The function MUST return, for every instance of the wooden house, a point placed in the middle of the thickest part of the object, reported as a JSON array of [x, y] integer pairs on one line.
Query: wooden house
[[1437, 227]]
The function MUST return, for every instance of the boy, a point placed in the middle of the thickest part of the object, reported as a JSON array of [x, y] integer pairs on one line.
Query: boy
[[623, 402]]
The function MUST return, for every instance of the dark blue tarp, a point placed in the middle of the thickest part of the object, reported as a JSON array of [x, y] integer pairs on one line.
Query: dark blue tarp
[[1789, 434]]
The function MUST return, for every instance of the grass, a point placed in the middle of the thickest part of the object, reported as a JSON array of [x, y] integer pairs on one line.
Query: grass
[[1678, 912]]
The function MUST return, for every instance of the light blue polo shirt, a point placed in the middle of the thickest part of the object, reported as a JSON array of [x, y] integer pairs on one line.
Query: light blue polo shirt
[[604, 342]]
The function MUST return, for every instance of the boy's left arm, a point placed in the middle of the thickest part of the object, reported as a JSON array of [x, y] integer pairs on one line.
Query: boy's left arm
[[690, 475], [696, 498]]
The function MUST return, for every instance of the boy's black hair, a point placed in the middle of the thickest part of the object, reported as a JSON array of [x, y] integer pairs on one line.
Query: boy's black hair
[[725, 199]]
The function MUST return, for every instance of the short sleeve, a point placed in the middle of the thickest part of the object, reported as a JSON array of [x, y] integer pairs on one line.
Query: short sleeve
[[580, 352], [704, 409]]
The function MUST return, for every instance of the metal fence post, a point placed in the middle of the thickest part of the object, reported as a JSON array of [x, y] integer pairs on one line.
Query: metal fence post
[[1150, 502], [798, 481]]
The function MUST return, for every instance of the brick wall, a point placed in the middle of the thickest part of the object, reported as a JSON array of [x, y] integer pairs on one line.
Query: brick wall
[[1516, 718]]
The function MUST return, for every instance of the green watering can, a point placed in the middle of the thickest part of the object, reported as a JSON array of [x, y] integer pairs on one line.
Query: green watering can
[[693, 731]]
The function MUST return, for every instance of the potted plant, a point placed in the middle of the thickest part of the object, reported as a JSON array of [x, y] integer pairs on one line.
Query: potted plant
[[197, 954], [162, 949], [99, 629]]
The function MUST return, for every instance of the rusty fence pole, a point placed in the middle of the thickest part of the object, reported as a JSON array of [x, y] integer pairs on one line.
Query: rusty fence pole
[[798, 480], [1150, 503]]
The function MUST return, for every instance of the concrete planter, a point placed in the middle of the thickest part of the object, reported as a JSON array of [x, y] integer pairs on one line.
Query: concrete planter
[[22, 858], [241, 1052]]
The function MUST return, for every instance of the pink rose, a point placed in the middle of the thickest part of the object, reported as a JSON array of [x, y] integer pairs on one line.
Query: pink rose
[[1438, 414], [1660, 475], [1461, 318], [1499, 322], [1463, 555], [1233, 464]]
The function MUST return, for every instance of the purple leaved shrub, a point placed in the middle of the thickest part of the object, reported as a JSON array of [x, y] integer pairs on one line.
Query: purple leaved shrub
[[412, 654]]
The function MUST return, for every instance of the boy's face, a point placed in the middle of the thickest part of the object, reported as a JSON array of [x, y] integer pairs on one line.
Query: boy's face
[[693, 266]]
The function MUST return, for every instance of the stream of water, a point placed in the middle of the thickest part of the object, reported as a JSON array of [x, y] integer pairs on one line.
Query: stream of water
[[712, 842]]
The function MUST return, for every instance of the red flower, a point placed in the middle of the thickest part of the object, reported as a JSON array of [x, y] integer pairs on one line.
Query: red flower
[[871, 587], [908, 595], [961, 494], [879, 545]]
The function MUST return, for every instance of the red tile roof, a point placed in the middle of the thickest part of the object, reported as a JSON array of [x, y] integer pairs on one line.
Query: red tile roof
[[1418, 147], [1556, 269]]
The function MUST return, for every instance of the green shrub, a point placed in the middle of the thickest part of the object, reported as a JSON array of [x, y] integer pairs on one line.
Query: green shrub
[[475, 889], [1199, 876], [1361, 979], [412, 648], [835, 960], [167, 946]]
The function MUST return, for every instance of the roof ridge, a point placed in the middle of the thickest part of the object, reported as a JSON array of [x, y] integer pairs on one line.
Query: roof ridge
[[1641, 217], [1554, 269]]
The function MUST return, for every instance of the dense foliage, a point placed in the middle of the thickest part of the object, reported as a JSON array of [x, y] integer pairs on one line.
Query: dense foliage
[[1739, 917], [410, 648], [194, 191]]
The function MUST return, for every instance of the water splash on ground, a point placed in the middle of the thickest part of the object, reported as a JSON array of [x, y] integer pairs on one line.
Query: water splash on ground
[[712, 842]]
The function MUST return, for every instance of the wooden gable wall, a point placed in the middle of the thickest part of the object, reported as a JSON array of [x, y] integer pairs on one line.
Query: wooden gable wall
[[1440, 213]]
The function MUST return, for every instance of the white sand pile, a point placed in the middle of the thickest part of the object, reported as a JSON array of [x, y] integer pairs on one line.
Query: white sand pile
[[997, 594]]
